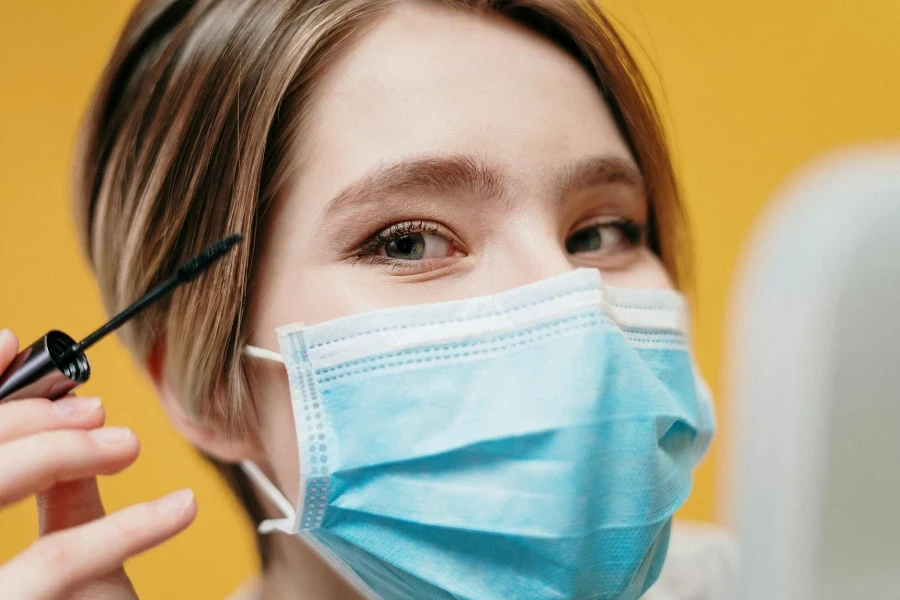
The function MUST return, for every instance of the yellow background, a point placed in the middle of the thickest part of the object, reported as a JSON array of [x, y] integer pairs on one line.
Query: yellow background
[[752, 90]]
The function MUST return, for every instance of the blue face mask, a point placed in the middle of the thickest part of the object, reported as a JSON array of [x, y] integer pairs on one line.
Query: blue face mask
[[530, 444]]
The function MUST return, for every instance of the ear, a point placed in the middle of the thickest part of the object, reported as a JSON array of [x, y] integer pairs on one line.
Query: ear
[[208, 437]]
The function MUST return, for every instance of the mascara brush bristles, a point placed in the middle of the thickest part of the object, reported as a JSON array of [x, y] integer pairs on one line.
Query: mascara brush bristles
[[199, 263], [188, 271]]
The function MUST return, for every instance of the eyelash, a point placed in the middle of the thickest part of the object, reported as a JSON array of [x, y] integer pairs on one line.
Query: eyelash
[[399, 230], [368, 248], [635, 233]]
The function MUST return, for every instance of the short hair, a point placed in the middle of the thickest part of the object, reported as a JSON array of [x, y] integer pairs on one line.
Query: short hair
[[187, 139]]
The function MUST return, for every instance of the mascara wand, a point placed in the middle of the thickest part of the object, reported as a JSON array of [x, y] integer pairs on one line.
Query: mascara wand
[[55, 364]]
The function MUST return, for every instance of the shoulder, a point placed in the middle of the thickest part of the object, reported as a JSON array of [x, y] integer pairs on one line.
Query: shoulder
[[701, 564]]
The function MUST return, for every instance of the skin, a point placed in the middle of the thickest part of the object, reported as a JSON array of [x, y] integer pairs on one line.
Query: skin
[[430, 83], [55, 450], [494, 157]]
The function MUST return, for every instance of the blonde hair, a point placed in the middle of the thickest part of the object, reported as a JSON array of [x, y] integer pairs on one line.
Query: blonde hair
[[187, 140]]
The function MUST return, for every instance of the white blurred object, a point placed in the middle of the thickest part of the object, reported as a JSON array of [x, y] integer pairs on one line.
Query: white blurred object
[[815, 381], [701, 564]]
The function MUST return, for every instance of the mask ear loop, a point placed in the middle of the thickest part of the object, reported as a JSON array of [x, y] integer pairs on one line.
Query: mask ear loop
[[263, 353], [287, 524], [268, 488]]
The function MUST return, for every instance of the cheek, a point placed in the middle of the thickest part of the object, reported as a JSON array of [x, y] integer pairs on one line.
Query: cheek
[[332, 291], [335, 291], [647, 272]]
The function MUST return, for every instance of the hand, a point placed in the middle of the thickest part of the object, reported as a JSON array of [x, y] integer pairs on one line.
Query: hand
[[55, 450]]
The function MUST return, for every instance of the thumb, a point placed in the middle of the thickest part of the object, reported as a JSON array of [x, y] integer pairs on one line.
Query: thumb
[[69, 504], [74, 503]]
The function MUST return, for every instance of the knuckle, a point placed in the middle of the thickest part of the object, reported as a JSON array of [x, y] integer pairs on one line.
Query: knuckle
[[55, 451], [18, 416], [60, 443], [47, 444], [55, 554], [128, 525]]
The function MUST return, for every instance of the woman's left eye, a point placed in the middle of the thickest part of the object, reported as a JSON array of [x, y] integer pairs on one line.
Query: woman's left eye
[[604, 238], [415, 245]]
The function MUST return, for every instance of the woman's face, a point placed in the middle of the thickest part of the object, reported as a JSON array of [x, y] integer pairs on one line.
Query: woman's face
[[448, 155]]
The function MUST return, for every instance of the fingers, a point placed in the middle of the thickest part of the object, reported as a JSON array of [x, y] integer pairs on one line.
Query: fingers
[[9, 345], [22, 418], [63, 561], [56, 449], [35, 463], [75, 503]]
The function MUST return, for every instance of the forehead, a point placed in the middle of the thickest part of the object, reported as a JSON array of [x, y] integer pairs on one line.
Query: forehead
[[428, 80]]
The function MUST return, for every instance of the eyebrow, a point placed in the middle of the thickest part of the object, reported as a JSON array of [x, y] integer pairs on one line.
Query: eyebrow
[[466, 173], [600, 170], [441, 173]]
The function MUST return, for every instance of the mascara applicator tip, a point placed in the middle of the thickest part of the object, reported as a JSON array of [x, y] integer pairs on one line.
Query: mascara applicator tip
[[69, 366], [202, 261]]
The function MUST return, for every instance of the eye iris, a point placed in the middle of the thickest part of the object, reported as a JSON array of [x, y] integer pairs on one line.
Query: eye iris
[[586, 240], [410, 246]]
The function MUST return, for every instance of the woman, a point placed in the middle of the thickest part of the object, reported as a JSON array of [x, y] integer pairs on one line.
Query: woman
[[471, 206]]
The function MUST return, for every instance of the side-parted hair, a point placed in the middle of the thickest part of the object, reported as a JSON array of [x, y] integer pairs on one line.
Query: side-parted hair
[[188, 139]]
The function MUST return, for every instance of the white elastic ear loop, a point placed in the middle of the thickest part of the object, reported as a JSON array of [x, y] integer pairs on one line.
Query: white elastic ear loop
[[263, 353], [259, 478], [285, 525], [288, 525]]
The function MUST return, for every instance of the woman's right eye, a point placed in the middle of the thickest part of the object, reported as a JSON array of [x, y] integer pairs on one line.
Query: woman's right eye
[[414, 243]]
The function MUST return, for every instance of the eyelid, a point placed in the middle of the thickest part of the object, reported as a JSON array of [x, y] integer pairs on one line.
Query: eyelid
[[410, 266], [599, 220]]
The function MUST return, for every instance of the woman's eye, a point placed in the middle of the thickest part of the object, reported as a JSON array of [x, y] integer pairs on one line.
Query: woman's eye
[[603, 238], [415, 246]]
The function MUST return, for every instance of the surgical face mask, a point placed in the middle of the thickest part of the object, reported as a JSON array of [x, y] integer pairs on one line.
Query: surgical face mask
[[530, 444]]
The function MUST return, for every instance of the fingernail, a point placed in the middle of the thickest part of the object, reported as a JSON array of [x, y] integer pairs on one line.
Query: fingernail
[[175, 502], [76, 405], [111, 435], [3, 334]]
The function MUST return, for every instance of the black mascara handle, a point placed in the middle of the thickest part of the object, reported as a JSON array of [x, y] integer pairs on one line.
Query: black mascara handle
[[45, 369]]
